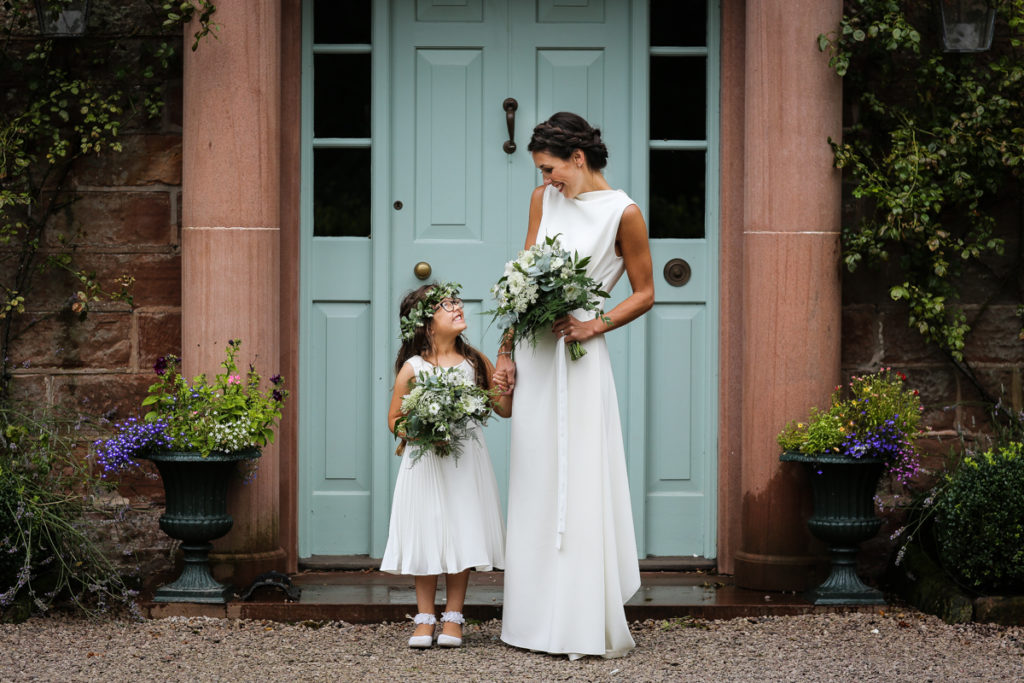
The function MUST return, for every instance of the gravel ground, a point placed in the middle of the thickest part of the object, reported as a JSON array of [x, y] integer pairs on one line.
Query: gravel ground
[[900, 645]]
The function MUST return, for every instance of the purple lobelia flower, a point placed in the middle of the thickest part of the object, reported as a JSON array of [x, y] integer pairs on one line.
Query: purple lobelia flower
[[133, 437]]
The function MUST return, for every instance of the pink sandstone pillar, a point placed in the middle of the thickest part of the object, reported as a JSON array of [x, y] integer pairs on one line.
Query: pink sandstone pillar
[[791, 277], [230, 240]]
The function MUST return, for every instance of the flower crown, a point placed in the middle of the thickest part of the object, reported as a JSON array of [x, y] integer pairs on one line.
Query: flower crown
[[423, 310]]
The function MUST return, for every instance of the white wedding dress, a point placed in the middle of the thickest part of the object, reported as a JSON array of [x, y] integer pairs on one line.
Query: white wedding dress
[[571, 559], [446, 514]]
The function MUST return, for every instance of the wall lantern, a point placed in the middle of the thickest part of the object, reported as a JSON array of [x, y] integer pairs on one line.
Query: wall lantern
[[63, 18], [967, 25]]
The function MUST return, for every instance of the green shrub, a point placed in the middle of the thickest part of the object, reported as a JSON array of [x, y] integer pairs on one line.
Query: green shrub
[[49, 550], [979, 520]]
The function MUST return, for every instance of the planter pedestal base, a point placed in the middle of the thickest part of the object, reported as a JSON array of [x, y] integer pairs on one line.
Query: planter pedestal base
[[843, 586], [197, 513], [844, 516], [195, 584]]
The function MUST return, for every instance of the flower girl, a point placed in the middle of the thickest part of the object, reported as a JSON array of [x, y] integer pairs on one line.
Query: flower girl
[[445, 515]]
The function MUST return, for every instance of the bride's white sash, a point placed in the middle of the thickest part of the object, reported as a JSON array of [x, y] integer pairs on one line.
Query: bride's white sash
[[562, 430]]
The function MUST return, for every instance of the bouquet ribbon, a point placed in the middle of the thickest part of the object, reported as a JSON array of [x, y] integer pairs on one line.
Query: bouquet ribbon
[[562, 431]]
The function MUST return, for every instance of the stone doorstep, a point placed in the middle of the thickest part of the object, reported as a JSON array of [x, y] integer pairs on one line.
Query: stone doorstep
[[370, 596], [647, 564]]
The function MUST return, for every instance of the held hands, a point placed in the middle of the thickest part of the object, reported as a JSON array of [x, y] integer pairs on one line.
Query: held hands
[[502, 380]]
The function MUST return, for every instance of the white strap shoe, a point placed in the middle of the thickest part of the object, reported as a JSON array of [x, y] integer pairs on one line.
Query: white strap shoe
[[422, 642], [446, 640]]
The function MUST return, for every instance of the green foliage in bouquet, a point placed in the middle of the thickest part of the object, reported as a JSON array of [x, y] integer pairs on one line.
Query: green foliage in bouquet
[[544, 283], [439, 410]]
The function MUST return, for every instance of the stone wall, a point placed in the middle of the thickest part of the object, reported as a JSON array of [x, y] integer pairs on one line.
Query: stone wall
[[124, 218], [876, 334]]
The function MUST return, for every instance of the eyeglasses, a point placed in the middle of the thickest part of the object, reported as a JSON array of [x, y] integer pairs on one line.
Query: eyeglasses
[[449, 304]]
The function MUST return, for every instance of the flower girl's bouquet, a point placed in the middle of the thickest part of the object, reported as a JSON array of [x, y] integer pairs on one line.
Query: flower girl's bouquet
[[439, 410], [543, 284]]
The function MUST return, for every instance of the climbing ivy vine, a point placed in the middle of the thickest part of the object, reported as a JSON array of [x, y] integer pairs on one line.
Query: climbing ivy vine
[[934, 148], [63, 100]]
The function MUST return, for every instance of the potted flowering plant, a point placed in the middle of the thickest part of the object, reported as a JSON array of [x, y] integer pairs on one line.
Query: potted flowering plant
[[869, 427], [196, 433]]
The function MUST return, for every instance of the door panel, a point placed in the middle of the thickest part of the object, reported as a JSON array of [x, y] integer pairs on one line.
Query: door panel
[[571, 80], [446, 10], [449, 173], [447, 165], [676, 427], [342, 496], [553, 11]]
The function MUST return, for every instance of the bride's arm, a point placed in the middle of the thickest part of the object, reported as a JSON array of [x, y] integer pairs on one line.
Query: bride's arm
[[636, 252], [504, 362], [536, 209]]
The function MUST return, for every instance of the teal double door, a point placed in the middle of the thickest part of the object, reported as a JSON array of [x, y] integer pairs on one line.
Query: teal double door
[[456, 89]]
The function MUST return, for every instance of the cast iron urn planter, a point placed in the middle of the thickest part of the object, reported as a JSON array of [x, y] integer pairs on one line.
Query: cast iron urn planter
[[196, 489], [844, 516]]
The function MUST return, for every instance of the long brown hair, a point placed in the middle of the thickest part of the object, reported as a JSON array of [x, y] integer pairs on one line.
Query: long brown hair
[[421, 343]]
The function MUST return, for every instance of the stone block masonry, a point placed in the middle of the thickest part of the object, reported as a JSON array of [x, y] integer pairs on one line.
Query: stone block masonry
[[876, 334], [124, 220]]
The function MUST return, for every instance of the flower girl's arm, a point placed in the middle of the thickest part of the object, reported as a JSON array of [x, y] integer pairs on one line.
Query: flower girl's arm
[[500, 382], [504, 363], [402, 383]]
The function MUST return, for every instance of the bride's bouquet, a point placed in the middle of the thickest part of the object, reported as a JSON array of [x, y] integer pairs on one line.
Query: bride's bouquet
[[439, 410], [543, 284]]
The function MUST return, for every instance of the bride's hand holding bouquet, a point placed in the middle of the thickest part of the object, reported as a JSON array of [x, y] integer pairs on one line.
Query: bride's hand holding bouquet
[[540, 288]]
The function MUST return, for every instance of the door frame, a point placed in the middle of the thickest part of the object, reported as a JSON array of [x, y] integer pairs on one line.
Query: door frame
[[719, 538]]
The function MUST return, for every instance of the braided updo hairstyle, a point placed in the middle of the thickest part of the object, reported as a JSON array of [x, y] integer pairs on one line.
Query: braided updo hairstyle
[[565, 132]]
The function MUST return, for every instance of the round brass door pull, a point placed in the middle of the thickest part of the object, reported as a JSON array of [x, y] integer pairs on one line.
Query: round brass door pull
[[677, 272], [422, 270]]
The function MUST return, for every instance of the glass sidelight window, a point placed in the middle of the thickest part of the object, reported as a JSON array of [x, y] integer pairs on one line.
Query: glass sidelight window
[[341, 118], [678, 118]]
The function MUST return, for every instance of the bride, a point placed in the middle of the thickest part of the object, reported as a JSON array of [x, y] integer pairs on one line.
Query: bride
[[571, 559]]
